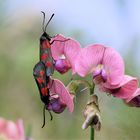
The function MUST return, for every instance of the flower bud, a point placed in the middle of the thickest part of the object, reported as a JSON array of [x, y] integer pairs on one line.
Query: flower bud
[[56, 105], [92, 114], [62, 65]]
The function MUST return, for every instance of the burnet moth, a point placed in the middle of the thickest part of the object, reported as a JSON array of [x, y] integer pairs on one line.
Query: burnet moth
[[45, 48], [42, 82], [45, 67]]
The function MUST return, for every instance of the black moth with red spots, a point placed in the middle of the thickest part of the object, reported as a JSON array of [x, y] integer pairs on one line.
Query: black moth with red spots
[[44, 68], [45, 49], [42, 81]]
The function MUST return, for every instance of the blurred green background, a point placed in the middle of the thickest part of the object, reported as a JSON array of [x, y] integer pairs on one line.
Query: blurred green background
[[113, 23]]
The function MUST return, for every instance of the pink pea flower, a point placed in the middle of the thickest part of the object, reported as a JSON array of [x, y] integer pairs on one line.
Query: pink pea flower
[[64, 52], [60, 98], [124, 90], [104, 63], [134, 100], [11, 131]]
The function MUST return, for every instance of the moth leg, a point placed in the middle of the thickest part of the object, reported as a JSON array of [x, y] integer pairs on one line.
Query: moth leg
[[51, 115], [44, 116], [59, 41]]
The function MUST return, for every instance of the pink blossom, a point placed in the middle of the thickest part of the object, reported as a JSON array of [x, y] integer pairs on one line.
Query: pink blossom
[[124, 90], [134, 100], [104, 63], [62, 65], [11, 131], [59, 97], [64, 52]]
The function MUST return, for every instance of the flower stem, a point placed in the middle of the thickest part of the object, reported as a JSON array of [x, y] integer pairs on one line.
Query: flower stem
[[91, 133], [91, 128]]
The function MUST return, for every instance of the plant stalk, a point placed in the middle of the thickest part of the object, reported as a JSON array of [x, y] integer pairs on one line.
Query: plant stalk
[[91, 128], [91, 133]]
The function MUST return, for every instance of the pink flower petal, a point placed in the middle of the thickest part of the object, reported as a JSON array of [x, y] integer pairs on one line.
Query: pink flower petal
[[134, 100], [128, 87], [57, 47], [2, 124], [20, 128], [71, 50], [67, 47], [88, 58], [136, 93], [114, 66], [59, 88], [11, 130], [124, 90]]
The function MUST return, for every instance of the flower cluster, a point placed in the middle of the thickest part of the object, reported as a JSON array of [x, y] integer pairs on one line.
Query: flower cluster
[[104, 64]]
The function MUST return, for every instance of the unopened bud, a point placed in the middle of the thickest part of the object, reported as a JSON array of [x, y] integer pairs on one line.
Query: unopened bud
[[56, 105], [92, 114], [62, 65]]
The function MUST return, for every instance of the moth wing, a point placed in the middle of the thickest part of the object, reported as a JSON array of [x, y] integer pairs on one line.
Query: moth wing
[[39, 76]]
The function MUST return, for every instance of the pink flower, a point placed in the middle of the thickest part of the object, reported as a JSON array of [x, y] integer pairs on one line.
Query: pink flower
[[105, 64], [134, 100], [11, 131], [64, 52], [124, 90], [59, 97]]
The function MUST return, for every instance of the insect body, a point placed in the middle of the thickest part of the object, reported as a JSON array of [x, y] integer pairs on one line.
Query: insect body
[[42, 81], [45, 49], [44, 68]]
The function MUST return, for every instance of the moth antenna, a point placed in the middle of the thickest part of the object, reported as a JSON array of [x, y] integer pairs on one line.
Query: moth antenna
[[43, 22], [43, 116], [49, 21]]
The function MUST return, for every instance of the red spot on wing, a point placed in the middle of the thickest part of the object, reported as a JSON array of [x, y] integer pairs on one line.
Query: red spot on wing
[[40, 80], [45, 91], [44, 57], [46, 44], [42, 73], [48, 64]]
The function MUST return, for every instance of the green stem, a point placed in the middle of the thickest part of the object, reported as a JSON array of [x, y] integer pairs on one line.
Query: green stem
[[91, 133], [92, 89], [73, 86], [91, 128]]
